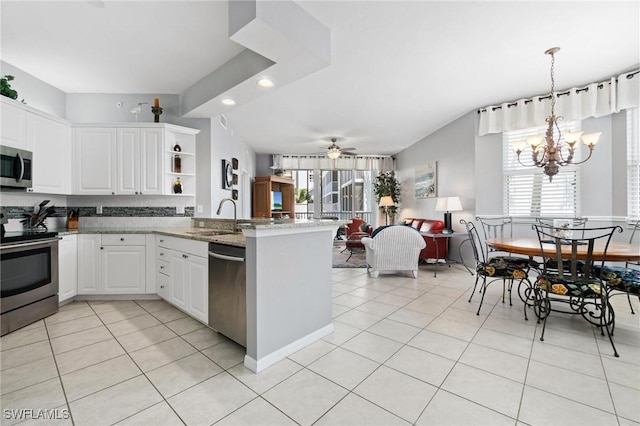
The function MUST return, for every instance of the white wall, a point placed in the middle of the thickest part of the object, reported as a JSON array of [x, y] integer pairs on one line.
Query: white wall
[[35, 92], [453, 148], [227, 144]]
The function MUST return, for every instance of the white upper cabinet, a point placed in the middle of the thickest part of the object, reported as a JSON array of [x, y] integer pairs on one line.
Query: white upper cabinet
[[128, 161], [50, 141], [133, 159], [13, 131], [94, 150], [151, 152]]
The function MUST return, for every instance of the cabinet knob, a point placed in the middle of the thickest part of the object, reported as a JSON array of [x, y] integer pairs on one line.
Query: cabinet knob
[[121, 239], [161, 254], [162, 267], [185, 256], [162, 241], [136, 192], [113, 193], [161, 286], [101, 248]]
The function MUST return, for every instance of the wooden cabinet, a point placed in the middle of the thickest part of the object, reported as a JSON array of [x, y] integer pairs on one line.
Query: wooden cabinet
[[264, 188], [128, 159], [13, 131], [50, 141], [67, 267], [111, 264], [183, 275]]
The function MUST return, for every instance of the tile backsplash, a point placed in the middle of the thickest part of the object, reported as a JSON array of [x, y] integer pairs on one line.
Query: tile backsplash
[[135, 211]]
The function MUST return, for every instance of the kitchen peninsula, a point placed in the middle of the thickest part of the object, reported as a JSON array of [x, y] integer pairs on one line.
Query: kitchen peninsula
[[288, 266], [288, 279]]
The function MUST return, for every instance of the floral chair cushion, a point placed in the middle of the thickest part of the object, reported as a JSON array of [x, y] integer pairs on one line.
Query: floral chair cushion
[[500, 267], [566, 287], [620, 278], [513, 261]]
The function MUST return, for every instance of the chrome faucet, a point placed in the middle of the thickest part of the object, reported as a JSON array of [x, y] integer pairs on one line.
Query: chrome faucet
[[235, 213]]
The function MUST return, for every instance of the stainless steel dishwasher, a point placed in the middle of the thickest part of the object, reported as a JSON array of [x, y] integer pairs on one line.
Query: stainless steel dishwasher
[[228, 292]]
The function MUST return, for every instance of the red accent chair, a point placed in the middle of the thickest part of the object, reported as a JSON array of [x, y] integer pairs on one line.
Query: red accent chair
[[354, 233]]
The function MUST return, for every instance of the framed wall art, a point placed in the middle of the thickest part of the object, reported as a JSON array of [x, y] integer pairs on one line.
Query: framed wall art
[[426, 181]]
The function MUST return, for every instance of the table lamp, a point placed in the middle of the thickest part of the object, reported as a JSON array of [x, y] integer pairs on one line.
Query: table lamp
[[386, 202], [448, 205]]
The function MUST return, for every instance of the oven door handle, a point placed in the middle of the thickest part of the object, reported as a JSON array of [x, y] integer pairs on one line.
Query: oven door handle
[[29, 244]]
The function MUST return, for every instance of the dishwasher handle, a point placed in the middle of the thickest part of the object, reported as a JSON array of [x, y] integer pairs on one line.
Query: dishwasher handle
[[225, 257]]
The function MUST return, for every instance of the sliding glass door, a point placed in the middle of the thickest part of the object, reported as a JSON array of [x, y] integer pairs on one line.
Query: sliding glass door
[[340, 194]]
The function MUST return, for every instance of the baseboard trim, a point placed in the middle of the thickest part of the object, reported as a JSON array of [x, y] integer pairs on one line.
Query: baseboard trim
[[267, 361]]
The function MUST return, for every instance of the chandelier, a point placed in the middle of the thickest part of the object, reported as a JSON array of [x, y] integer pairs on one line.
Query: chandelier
[[551, 153]]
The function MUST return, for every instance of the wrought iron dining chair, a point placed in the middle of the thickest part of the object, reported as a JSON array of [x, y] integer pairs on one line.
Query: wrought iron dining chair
[[561, 227], [496, 268], [574, 285], [624, 280], [575, 224]]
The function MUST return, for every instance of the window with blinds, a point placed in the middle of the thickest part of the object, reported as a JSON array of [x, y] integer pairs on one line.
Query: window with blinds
[[633, 164], [527, 190]]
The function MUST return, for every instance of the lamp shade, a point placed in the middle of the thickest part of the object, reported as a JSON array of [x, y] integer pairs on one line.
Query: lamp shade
[[386, 201], [448, 204]]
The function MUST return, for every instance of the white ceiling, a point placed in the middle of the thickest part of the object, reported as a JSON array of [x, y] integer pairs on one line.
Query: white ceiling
[[399, 70]]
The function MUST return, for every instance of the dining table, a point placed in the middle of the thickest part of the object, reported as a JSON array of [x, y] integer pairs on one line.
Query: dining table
[[530, 246]]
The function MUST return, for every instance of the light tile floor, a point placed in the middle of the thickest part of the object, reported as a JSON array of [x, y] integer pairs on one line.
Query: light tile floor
[[404, 351]]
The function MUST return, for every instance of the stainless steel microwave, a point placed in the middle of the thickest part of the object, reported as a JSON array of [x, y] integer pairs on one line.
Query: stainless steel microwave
[[16, 167]]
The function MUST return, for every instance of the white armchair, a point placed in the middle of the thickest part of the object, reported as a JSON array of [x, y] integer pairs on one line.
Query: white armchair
[[395, 248]]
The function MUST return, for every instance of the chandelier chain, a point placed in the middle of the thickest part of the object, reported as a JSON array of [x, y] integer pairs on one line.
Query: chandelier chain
[[553, 85]]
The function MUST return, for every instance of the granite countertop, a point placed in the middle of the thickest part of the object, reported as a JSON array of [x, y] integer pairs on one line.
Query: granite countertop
[[207, 234]]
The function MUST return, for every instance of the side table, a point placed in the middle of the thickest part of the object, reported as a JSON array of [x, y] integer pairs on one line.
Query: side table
[[354, 243], [448, 261]]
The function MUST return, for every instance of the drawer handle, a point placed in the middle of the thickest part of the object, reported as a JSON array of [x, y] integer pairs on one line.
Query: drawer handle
[[161, 254], [162, 267], [185, 256], [162, 241]]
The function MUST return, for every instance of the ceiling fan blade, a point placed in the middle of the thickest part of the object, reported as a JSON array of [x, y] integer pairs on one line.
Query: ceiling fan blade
[[348, 149], [347, 153]]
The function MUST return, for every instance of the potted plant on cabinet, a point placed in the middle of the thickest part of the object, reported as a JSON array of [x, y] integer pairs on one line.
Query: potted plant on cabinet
[[5, 87], [387, 185]]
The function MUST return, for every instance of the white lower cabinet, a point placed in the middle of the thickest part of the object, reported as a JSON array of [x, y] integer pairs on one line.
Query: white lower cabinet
[[111, 264], [67, 267], [123, 269], [183, 275], [89, 264]]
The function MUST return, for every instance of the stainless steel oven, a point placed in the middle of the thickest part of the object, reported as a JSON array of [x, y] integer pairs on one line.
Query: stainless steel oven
[[28, 279], [16, 167]]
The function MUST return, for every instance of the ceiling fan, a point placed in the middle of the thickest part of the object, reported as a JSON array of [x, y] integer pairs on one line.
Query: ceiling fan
[[334, 151]]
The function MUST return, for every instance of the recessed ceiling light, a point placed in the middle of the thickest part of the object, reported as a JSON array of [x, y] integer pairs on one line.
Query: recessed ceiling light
[[265, 82], [228, 101]]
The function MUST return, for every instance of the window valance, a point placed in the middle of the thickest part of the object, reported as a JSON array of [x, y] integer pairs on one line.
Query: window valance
[[577, 103], [321, 162]]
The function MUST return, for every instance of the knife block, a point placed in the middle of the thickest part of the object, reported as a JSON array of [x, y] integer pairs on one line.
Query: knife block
[[72, 222]]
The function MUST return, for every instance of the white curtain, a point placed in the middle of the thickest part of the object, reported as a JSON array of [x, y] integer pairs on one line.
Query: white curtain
[[577, 103], [346, 162]]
